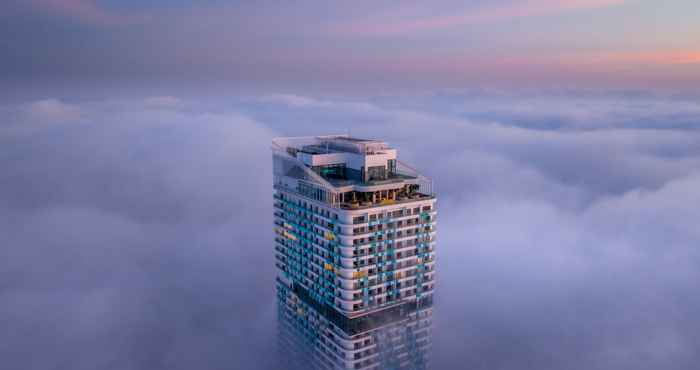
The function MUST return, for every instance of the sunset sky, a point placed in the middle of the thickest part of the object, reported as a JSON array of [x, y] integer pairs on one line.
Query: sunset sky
[[583, 43]]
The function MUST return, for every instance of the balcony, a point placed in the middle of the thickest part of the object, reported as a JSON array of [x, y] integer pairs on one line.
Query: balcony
[[365, 204]]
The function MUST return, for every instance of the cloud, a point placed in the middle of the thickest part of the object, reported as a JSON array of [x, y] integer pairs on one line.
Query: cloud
[[540, 285], [163, 102], [659, 57], [293, 100], [86, 11], [141, 239], [52, 110], [127, 239], [386, 26], [299, 101]]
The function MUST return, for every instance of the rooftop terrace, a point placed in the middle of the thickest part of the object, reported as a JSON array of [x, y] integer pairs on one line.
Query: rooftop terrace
[[343, 144], [347, 172]]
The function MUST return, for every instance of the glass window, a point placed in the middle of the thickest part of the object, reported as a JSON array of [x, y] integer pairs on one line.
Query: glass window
[[376, 173], [391, 164]]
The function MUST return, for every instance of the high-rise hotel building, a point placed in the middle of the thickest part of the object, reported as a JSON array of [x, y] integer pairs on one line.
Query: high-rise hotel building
[[355, 248]]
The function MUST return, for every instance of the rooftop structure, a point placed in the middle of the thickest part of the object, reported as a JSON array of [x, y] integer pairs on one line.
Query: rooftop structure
[[347, 172], [355, 251]]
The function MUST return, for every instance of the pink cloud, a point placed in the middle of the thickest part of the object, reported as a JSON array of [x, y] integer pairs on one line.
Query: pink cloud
[[692, 58], [684, 57], [87, 11], [520, 8], [643, 69], [52, 110], [648, 58]]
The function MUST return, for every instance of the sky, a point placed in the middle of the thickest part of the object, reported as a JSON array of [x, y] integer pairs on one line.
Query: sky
[[563, 139], [384, 45]]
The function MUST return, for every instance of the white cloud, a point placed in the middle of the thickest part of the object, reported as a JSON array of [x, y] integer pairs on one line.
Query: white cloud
[[52, 111], [580, 242], [300, 101], [163, 102]]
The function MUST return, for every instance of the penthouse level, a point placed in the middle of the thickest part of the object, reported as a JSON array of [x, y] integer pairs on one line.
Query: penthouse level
[[346, 172]]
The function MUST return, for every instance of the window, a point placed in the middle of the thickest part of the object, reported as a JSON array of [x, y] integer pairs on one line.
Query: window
[[333, 171], [376, 173]]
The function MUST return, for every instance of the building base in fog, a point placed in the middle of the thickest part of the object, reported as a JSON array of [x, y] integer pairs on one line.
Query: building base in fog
[[309, 340]]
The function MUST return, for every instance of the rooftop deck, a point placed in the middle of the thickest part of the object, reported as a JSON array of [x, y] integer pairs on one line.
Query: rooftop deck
[[386, 202], [366, 174], [394, 178]]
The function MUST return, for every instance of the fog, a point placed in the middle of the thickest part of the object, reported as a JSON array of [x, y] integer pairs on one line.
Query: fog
[[137, 231]]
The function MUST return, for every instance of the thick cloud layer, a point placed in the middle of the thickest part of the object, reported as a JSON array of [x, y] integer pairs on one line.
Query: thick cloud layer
[[135, 238], [136, 233]]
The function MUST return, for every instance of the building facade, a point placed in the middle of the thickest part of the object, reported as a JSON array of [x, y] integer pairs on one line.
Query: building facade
[[355, 251]]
